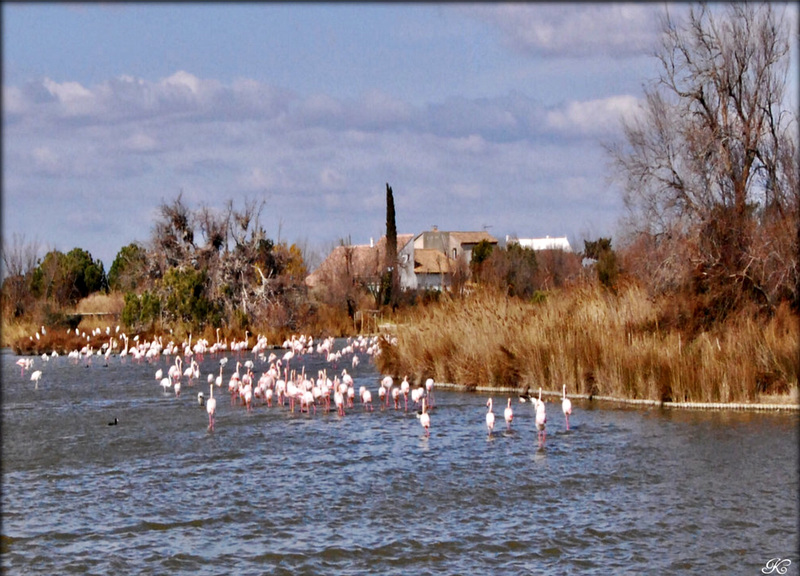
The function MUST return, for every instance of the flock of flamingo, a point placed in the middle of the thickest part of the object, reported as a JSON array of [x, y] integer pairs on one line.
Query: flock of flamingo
[[281, 384]]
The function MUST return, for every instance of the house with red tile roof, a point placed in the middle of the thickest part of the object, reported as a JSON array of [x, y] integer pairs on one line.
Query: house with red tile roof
[[425, 261]]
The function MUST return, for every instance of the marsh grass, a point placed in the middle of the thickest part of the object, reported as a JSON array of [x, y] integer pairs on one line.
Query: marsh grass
[[597, 343]]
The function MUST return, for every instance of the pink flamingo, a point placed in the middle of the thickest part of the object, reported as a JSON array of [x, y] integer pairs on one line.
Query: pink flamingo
[[382, 395], [175, 371], [429, 390], [425, 419], [211, 408], [541, 419], [566, 404], [405, 387], [508, 414], [489, 416], [366, 398], [387, 383], [338, 398], [24, 363]]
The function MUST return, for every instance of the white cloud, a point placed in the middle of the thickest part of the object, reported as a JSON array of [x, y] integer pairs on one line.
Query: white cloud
[[465, 191], [461, 163], [13, 101], [67, 91], [182, 79], [246, 110], [259, 180], [140, 142], [580, 29], [594, 117], [332, 179], [74, 99], [45, 160]]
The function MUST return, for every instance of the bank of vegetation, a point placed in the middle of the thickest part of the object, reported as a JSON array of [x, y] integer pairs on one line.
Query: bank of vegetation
[[599, 342]]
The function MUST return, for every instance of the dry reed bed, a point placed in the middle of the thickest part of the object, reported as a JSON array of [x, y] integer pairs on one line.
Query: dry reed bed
[[598, 344]]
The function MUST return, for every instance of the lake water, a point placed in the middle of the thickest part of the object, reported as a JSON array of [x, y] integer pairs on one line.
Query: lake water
[[624, 491]]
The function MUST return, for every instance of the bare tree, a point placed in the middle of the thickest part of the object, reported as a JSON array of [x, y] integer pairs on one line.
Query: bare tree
[[173, 233], [20, 258], [711, 163]]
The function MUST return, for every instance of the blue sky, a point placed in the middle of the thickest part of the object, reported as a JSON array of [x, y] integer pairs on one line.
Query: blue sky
[[478, 115]]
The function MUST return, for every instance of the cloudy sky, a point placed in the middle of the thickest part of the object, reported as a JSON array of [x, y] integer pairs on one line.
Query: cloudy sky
[[480, 116]]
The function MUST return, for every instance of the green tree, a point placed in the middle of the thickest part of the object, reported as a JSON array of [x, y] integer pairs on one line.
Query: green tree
[[480, 253], [47, 279], [511, 269], [129, 269], [140, 312], [83, 275], [390, 282], [185, 297], [606, 265], [522, 266]]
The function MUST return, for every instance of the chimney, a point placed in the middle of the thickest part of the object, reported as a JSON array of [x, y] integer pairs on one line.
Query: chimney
[[371, 243]]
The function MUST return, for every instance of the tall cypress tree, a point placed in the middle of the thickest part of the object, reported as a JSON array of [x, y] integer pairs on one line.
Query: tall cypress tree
[[392, 277]]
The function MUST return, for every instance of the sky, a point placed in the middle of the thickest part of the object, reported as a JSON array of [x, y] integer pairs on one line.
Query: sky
[[479, 116]]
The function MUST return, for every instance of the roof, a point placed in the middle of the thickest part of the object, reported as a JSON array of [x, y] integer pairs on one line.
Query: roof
[[365, 260], [473, 237], [431, 261]]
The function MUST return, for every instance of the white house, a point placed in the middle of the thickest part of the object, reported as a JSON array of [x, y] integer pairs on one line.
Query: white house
[[429, 260], [424, 261], [546, 243]]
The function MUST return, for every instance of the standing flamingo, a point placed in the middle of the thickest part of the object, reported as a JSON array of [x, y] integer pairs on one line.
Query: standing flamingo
[[366, 398], [338, 398], [566, 404], [24, 363], [405, 387], [489, 416], [429, 390], [35, 376], [211, 408], [175, 371], [541, 418], [425, 419], [508, 414], [165, 383]]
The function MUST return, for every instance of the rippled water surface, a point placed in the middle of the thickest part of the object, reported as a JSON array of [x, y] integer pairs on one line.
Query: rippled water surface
[[624, 491]]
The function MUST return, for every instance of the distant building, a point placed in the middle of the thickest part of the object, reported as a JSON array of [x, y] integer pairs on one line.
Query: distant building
[[546, 243], [429, 260], [425, 261], [362, 262]]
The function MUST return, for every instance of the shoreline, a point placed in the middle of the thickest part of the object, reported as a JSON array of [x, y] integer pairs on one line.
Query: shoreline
[[738, 406]]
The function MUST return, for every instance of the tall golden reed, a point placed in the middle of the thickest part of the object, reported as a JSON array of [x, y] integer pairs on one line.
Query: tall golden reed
[[597, 343]]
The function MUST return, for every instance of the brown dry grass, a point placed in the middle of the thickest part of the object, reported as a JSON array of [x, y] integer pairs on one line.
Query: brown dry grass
[[596, 343]]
